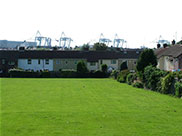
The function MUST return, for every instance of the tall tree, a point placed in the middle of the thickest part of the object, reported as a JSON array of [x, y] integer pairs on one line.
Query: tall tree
[[85, 47], [146, 58]]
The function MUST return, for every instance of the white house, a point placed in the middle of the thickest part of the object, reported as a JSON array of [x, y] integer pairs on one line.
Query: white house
[[36, 64]]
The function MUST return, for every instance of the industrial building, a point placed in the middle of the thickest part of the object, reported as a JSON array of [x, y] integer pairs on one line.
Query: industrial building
[[5, 44]]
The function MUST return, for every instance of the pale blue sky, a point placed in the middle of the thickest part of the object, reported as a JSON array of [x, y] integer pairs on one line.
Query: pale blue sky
[[138, 21]]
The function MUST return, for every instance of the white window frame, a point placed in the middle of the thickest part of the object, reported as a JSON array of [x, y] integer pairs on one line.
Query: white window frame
[[113, 61], [92, 63]]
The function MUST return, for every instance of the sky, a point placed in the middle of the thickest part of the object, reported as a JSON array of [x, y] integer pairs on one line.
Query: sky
[[139, 22]]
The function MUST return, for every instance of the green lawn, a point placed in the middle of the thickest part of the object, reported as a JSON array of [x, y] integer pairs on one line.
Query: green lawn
[[85, 107]]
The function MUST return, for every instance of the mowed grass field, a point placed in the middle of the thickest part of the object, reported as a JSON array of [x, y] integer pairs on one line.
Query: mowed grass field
[[85, 107]]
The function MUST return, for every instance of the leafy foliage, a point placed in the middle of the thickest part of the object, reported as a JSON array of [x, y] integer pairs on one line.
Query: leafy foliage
[[122, 76], [81, 67], [99, 46], [137, 84], [167, 84], [178, 89], [114, 74], [130, 78], [180, 42], [152, 77], [147, 57], [104, 68], [85, 47]]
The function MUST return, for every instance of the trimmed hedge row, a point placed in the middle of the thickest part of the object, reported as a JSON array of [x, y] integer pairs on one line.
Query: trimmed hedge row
[[153, 79], [60, 74]]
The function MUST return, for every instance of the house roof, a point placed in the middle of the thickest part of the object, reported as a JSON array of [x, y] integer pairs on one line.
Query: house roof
[[173, 51], [9, 55], [91, 56]]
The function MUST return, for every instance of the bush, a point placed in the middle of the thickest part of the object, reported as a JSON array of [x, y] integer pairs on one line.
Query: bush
[[178, 89], [68, 74], [81, 67], [122, 76], [137, 84], [104, 68], [152, 77], [168, 84], [130, 78], [114, 74], [23, 74], [45, 74], [98, 74]]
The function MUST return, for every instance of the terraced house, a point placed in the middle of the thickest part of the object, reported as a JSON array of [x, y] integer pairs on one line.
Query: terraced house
[[55, 60], [170, 58]]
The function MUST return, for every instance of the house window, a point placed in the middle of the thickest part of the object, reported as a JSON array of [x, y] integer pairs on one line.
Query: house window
[[57, 61], [11, 63], [29, 61], [66, 62], [134, 62], [47, 61], [113, 61], [75, 62], [3, 61], [92, 63], [38, 61]]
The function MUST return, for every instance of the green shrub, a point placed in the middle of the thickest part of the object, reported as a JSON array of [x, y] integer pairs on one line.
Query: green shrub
[[122, 76], [68, 74], [178, 89], [168, 84], [152, 77], [178, 75], [98, 74], [114, 74], [130, 78], [104, 68], [81, 67], [24, 74], [45, 74], [137, 84]]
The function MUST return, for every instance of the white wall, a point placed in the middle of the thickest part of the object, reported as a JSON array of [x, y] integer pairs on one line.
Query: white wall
[[168, 65], [23, 63]]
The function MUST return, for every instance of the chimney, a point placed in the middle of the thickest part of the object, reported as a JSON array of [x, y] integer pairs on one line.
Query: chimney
[[173, 42], [158, 45]]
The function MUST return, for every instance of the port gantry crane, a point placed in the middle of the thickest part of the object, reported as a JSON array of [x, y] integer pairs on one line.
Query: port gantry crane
[[64, 41], [42, 41], [117, 42], [104, 40]]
